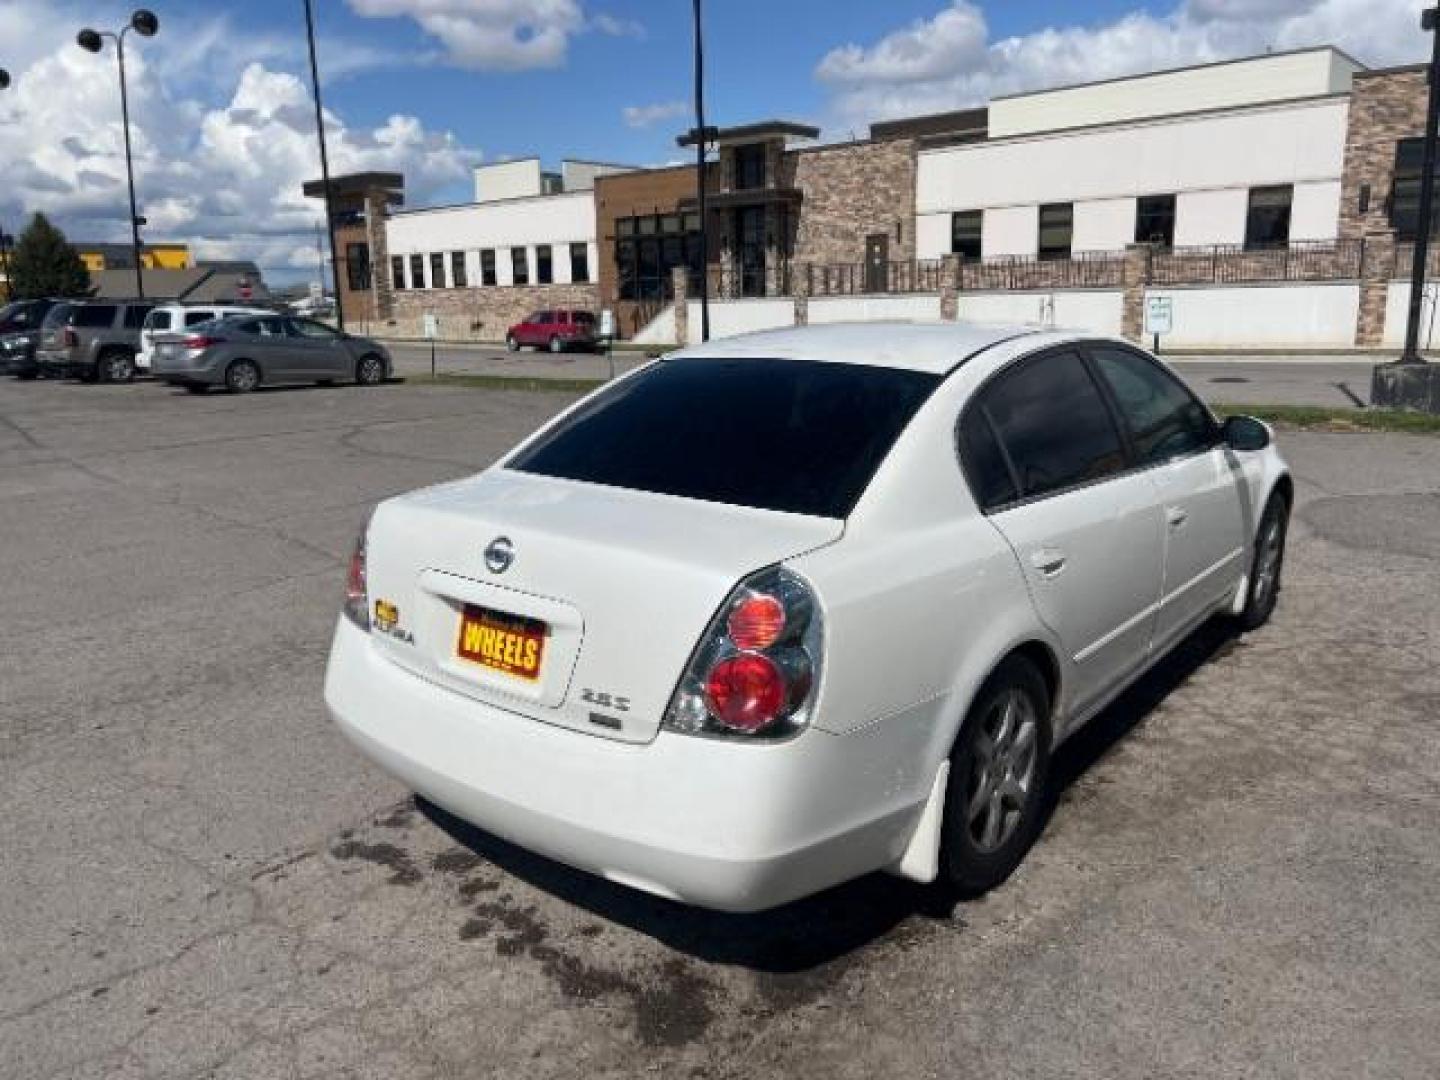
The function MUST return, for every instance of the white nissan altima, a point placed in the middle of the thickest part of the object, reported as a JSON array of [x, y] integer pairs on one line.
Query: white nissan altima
[[787, 608]]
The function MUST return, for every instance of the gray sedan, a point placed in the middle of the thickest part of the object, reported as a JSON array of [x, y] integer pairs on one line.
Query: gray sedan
[[244, 351]]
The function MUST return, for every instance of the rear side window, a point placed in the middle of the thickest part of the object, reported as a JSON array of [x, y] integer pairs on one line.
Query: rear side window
[[59, 315], [1165, 419], [135, 316], [194, 318], [1053, 423], [157, 320], [789, 435], [93, 315], [985, 466]]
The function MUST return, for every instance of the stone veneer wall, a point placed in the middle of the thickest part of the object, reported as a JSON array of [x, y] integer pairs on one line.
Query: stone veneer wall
[[1384, 108], [484, 313], [852, 191]]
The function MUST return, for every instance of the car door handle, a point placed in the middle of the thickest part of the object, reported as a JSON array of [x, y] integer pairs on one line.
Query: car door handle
[[1177, 516], [1048, 561]]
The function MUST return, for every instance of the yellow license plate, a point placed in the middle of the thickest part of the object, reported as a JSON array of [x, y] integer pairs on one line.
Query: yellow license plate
[[509, 644]]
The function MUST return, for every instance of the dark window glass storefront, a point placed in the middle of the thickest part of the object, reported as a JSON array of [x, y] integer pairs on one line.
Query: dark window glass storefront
[[647, 251], [357, 266]]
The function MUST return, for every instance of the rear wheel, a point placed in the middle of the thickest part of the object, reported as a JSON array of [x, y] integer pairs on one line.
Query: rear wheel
[[1269, 561], [556, 345], [370, 370], [242, 376], [998, 772], [511, 343], [27, 374], [116, 366]]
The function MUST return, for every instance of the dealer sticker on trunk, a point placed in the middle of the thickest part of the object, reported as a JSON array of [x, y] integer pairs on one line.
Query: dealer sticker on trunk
[[510, 644]]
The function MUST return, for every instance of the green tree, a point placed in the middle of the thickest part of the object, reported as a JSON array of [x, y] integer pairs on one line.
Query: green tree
[[44, 264]]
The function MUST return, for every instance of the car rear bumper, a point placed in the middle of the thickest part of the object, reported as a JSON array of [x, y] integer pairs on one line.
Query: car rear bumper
[[60, 365], [704, 821]]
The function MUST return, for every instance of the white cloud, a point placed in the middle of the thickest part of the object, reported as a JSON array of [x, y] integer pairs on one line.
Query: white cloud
[[642, 116], [617, 27], [950, 61], [221, 169], [495, 35]]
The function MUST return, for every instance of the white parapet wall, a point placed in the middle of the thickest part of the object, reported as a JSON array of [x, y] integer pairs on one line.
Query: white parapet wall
[[731, 317], [1264, 316], [1397, 315], [1096, 311], [660, 330], [837, 309]]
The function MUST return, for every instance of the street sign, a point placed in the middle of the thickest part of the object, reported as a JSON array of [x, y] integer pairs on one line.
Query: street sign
[[432, 325], [1159, 315]]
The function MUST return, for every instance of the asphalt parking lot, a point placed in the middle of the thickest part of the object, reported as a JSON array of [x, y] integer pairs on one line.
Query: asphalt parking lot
[[202, 879]]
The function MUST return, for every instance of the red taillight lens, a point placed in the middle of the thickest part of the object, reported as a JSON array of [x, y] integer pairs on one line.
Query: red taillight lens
[[756, 622], [746, 692], [357, 592], [200, 341], [71, 338]]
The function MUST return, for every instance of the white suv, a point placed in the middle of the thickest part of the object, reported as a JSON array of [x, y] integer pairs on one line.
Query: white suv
[[173, 318]]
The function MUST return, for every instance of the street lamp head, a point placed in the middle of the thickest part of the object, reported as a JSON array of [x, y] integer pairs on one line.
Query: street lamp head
[[144, 22], [89, 40]]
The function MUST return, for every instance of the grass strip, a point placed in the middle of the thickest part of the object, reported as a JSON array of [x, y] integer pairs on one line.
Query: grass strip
[[1320, 418]]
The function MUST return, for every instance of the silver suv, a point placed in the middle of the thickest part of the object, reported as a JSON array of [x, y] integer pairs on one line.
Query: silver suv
[[95, 340]]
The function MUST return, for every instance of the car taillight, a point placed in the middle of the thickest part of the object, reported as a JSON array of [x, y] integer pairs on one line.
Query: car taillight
[[357, 592], [200, 341], [70, 338], [756, 670]]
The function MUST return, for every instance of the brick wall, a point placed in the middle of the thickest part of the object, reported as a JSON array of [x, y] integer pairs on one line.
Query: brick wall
[[482, 314], [852, 191], [1384, 107]]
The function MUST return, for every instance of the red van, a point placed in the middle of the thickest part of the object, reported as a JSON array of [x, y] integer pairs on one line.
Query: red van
[[554, 330]]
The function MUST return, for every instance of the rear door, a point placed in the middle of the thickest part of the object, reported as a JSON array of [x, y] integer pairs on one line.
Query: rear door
[[315, 349], [1197, 487], [1048, 463]]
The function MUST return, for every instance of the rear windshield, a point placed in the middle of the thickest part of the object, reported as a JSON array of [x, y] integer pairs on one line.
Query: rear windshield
[[790, 435]]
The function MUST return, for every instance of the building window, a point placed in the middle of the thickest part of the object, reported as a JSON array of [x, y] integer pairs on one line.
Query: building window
[[357, 266], [1057, 230], [648, 249], [417, 271], [965, 230], [1267, 225], [520, 267], [397, 271], [437, 269], [457, 270], [749, 166], [1155, 220], [487, 266], [544, 265], [1405, 194], [580, 263]]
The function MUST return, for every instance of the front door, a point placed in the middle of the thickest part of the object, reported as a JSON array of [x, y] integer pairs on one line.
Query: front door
[[877, 262], [752, 251]]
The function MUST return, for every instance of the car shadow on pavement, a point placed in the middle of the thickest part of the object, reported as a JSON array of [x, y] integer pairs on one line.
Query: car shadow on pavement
[[830, 926]]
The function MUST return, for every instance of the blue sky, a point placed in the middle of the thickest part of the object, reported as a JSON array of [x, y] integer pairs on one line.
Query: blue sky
[[224, 131]]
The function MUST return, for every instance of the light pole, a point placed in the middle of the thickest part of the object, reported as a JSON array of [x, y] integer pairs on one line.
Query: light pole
[[700, 176], [324, 170], [145, 24], [5, 240]]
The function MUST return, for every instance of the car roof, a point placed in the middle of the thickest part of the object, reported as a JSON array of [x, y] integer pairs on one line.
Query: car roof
[[936, 348]]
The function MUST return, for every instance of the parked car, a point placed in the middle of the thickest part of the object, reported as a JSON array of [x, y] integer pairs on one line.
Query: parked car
[[20, 324], [178, 317], [243, 352], [554, 330], [786, 608], [97, 340]]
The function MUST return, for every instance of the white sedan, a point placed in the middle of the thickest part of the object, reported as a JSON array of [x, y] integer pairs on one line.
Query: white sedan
[[784, 609]]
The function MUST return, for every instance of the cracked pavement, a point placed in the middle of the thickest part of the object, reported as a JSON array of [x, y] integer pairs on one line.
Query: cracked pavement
[[200, 878]]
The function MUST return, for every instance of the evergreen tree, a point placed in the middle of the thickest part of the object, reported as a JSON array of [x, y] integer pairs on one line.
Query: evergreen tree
[[44, 264]]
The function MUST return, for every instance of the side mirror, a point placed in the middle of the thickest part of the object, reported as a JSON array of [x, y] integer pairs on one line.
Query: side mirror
[[1245, 433]]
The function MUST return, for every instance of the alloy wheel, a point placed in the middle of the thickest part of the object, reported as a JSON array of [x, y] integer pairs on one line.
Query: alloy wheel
[[1002, 778]]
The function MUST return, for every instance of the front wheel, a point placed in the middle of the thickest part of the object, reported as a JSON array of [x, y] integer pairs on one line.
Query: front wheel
[[556, 345], [1269, 561], [117, 367], [370, 370], [998, 773], [241, 377]]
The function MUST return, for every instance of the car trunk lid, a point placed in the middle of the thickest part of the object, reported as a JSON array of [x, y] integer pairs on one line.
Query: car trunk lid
[[619, 585]]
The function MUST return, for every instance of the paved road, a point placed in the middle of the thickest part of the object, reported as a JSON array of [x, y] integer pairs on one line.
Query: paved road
[[202, 879], [1336, 382]]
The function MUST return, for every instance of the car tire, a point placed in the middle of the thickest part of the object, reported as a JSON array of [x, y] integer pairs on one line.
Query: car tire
[[1263, 588], [196, 387], [556, 345], [115, 366], [242, 376], [999, 769], [511, 344], [370, 370], [26, 376]]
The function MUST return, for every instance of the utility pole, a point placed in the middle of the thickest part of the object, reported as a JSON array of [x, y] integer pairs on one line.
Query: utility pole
[[324, 168], [700, 176]]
